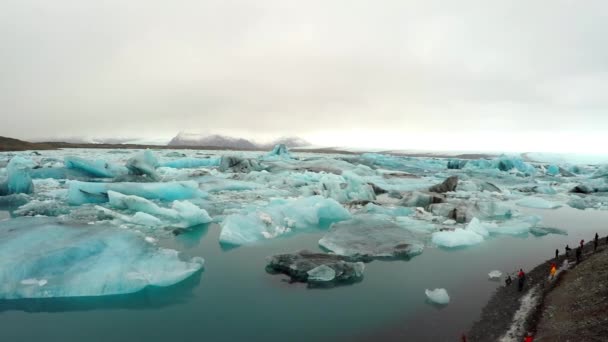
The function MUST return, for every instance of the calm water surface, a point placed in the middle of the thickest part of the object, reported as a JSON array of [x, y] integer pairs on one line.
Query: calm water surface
[[234, 299]]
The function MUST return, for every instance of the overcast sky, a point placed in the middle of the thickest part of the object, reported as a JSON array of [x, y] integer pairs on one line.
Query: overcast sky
[[502, 75]]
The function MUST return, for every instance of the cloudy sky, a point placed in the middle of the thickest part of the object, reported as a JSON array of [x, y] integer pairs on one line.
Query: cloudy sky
[[470, 75]]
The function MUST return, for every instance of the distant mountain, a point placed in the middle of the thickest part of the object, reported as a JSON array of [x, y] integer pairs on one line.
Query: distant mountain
[[289, 142], [10, 144], [216, 140]]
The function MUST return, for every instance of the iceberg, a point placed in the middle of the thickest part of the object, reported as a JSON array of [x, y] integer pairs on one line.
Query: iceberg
[[306, 266], [438, 296], [144, 163], [457, 238], [280, 217], [371, 236], [189, 163], [517, 226], [538, 203], [42, 258], [183, 214], [18, 179], [86, 192], [95, 168], [279, 151]]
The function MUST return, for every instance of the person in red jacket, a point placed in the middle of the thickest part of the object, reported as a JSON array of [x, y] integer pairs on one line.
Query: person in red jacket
[[529, 337]]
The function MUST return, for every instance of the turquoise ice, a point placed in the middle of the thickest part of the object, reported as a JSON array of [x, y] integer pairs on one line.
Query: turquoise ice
[[45, 258]]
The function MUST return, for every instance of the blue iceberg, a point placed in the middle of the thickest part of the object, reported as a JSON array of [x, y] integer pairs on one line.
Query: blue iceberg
[[96, 168], [18, 179], [87, 192], [43, 258], [144, 163], [281, 217]]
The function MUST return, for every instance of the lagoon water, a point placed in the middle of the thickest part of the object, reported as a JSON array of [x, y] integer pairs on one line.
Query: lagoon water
[[234, 299]]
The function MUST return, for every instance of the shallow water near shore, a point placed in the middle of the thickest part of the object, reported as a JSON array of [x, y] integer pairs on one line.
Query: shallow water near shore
[[235, 299]]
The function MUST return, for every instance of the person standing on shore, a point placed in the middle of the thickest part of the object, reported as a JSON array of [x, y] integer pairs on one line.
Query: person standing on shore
[[556, 253], [568, 249], [582, 243], [553, 271], [521, 278], [578, 254], [595, 242]]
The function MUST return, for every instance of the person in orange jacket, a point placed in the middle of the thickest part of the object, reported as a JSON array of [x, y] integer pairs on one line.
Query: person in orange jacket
[[553, 270]]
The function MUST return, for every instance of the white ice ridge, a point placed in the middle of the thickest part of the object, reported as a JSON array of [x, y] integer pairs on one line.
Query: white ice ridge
[[527, 303]]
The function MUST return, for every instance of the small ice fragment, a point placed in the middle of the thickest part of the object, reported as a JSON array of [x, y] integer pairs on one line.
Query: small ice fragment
[[34, 281], [150, 239], [438, 296], [495, 275]]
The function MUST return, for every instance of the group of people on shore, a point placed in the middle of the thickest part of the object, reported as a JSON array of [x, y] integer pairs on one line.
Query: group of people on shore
[[521, 276]]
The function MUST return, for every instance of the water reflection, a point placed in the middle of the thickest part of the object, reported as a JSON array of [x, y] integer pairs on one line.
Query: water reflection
[[150, 298]]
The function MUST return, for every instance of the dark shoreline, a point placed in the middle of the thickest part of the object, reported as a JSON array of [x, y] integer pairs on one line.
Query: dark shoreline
[[497, 315]]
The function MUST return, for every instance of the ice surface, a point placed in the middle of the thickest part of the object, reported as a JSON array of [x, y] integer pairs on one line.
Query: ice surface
[[438, 296], [188, 163], [86, 192], [371, 236], [372, 208], [42, 207], [553, 170], [42, 258], [321, 273], [538, 203], [280, 217]]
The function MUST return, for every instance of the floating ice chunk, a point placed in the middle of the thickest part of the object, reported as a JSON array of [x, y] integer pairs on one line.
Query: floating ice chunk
[[518, 226], [280, 217], [312, 267], [537, 202], [495, 275], [457, 238], [371, 236], [18, 179], [95, 168], [189, 163], [143, 163], [77, 260], [182, 213], [321, 273], [438, 296], [85, 192]]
